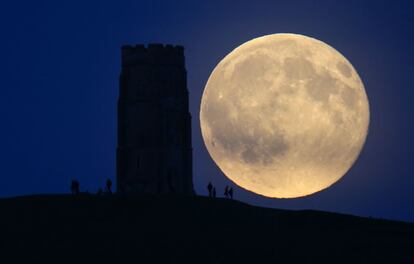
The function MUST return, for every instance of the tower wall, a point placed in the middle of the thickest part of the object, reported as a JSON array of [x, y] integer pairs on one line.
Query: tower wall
[[154, 152]]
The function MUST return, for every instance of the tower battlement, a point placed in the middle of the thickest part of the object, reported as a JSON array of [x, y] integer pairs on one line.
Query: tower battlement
[[156, 54]]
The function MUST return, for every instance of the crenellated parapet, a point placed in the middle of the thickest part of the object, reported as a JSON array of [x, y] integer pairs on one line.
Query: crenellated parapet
[[156, 54]]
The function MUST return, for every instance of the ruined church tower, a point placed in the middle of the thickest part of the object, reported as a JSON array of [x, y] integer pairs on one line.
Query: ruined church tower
[[154, 152]]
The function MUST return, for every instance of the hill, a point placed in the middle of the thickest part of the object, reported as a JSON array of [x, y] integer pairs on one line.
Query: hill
[[174, 229]]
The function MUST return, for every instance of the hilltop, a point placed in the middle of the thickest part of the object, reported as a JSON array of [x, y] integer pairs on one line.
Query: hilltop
[[177, 229]]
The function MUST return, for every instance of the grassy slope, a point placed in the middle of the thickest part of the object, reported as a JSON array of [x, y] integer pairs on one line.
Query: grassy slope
[[169, 229]]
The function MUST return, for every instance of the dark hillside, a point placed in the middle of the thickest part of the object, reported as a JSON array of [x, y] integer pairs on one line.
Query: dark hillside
[[170, 229]]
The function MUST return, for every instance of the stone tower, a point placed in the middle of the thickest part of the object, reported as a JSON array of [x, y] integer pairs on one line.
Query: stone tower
[[154, 152]]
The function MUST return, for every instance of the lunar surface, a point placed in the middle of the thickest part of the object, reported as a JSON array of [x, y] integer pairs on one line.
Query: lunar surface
[[284, 115]]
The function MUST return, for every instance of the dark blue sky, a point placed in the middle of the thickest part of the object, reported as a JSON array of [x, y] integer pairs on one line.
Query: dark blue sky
[[59, 67]]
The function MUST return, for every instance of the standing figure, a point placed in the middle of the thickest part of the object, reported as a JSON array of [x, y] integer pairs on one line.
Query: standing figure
[[74, 187], [226, 192], [210, 188], [109, 186], [231, 193]]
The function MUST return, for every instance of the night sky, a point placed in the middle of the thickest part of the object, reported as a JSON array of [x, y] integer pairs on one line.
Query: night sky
[[59, 68]]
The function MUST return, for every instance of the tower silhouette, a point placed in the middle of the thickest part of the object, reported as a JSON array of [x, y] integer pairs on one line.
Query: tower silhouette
[[154, 152]]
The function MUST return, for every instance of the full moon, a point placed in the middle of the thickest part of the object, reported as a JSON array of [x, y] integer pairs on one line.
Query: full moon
[[284, 115]]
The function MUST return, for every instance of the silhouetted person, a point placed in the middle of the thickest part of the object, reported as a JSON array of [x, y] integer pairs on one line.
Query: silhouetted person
[[231, 193], [210, 189], [214, 192], [226, 192], [108, 186], [74, 187]]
